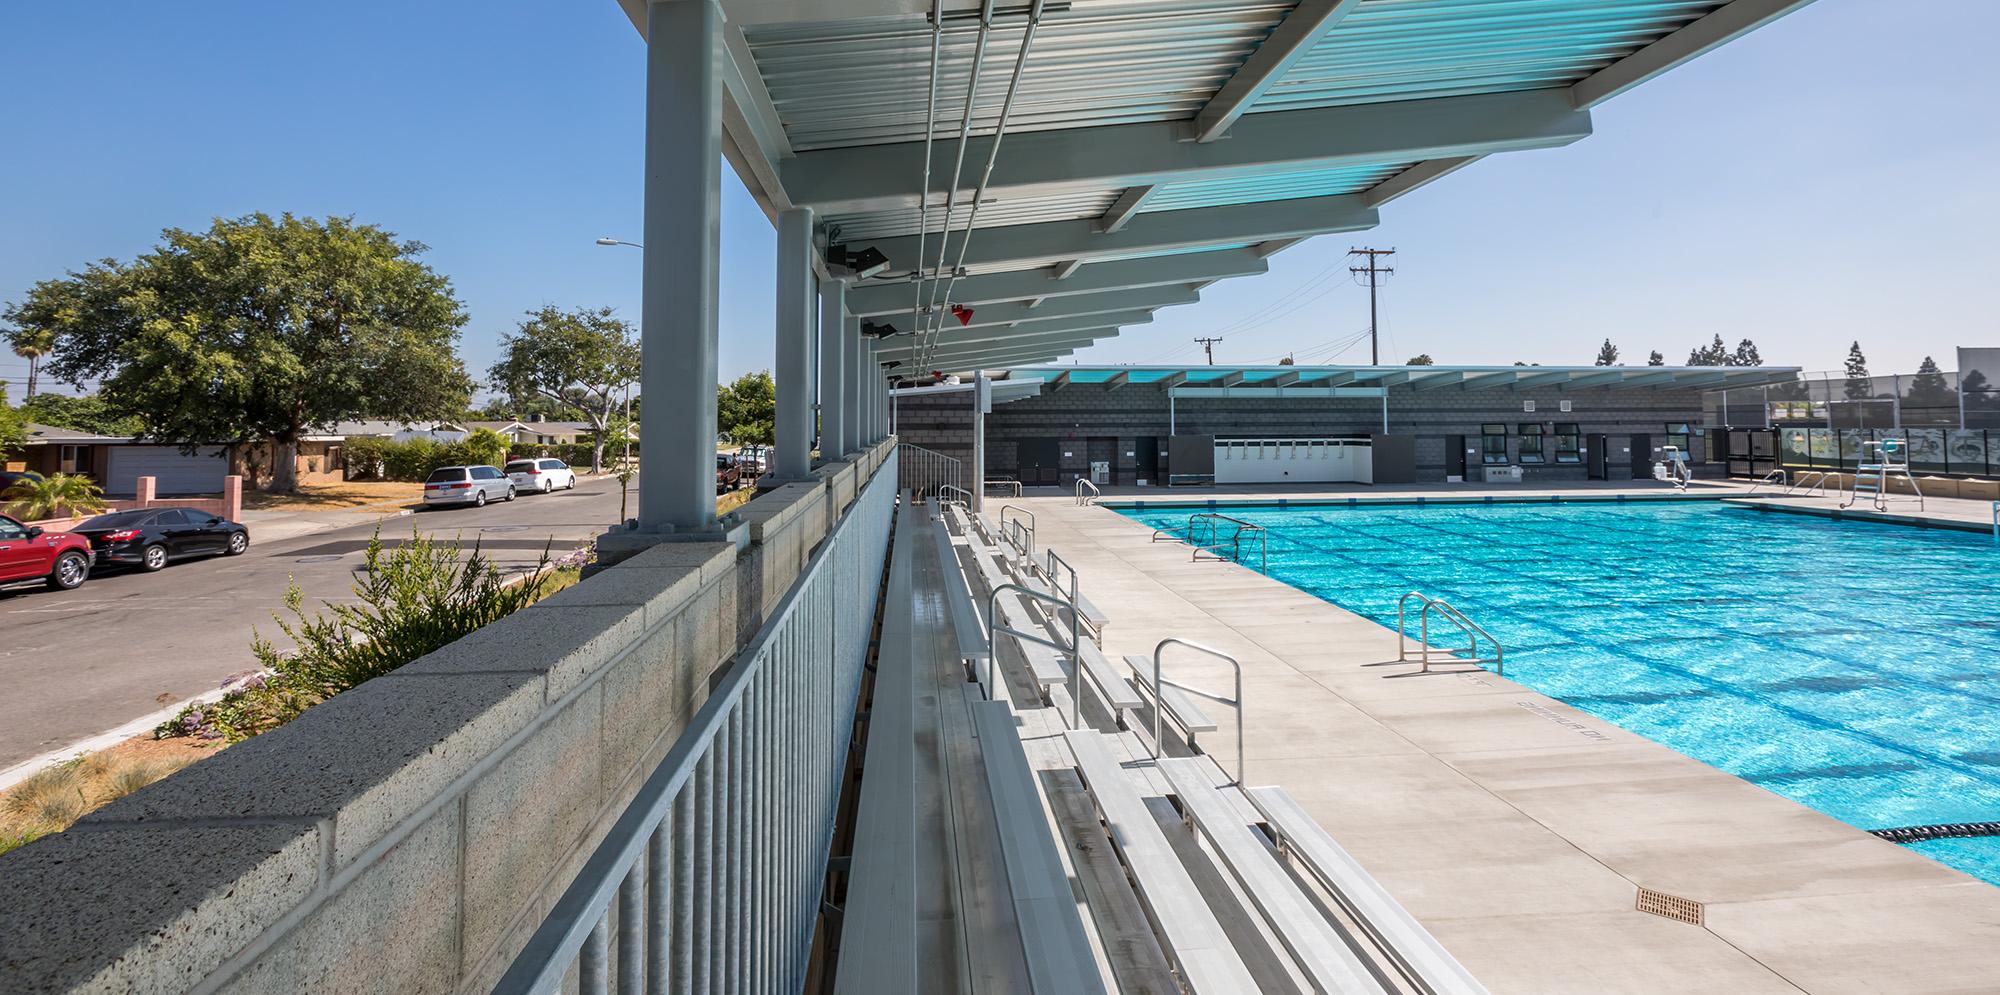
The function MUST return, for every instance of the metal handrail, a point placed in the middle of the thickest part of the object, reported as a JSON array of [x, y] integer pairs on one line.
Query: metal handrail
[[1160, 698], [1472, 630], [924, 472], [1014, 486], [945, 489], [993, 626], [1779, 477], [1081, 483], [1029, 530], [1235, 543], [1808, 483]]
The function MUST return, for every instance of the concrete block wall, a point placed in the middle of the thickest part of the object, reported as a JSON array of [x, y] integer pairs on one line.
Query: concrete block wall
[[1078, 413], [409, 835]]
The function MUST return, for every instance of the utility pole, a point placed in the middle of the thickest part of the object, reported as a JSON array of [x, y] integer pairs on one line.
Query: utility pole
[[1208, 346], [1374, 340]]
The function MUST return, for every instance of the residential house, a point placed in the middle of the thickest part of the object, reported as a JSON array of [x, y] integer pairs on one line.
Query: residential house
[[117, 462]]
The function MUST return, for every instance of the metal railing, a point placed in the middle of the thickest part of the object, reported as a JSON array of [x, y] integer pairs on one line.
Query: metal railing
[[1777, 477], [924, 471], [1808, 483], [1213, 544], [1008, 484], [1073, 649], [716, 866], [1160, 682], [1085, 500], [1023, 537], [946, 492], [1473, 634]]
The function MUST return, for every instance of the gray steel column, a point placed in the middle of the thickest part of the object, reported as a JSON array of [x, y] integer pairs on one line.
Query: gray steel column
[[683, 236], [977, 469], [851, 420], [794, 341], [873, 368], [832, 364]]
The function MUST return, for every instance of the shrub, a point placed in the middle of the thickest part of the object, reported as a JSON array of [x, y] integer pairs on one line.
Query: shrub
[[54, 496], [374, 458], [413, 599]]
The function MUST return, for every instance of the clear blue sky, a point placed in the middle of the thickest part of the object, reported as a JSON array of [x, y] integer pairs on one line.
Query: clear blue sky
[[1827, 178]]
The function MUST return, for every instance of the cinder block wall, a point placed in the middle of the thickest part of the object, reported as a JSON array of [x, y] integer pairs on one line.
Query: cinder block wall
[[1079, 413], [408, 836]]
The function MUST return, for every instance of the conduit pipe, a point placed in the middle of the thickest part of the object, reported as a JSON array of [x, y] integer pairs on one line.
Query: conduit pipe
[[958, 169], [992, 156], [924, 190]]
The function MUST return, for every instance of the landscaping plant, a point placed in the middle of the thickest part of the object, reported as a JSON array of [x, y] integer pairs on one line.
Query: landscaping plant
[[413, 599], [55, 496]]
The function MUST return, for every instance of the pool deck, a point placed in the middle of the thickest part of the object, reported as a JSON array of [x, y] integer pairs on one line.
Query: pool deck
[[1517, 828]]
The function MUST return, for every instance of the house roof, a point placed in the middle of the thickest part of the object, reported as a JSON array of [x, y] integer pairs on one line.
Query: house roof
[[44, 434], [343, 429]]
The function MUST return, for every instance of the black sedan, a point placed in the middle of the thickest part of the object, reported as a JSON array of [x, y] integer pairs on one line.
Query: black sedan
[[149, 537]]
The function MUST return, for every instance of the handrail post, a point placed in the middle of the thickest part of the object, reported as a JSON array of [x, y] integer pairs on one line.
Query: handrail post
[[1160, 698]]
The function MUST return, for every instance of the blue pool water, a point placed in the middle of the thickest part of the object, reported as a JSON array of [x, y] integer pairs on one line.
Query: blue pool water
[[1850, 666]]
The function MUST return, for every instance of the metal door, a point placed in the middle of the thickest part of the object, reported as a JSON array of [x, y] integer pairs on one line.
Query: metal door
[[1038, 462], [1642, 457], [1598, 459], [1454, 456], [1147, 455]]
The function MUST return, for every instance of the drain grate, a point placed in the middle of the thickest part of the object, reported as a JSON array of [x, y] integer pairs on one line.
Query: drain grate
[[1673, 907]]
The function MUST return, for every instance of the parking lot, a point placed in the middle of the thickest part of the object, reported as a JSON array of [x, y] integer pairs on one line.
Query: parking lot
[[127, 643]]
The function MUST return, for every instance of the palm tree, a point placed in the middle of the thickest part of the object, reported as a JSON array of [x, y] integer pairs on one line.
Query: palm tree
[[58, 495], [32, 344]]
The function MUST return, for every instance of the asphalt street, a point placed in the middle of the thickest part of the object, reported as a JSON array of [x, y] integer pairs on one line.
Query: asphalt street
[[74, 664]]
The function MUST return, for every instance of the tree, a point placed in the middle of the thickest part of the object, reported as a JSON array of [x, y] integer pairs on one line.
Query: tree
[[582, 358], [1655, 359], [1421, 359], [1745, 355], [1860, 386], [13, 427], [81, 413], [33, 345], [1287, 361], [524, 408], [259, 329], [1929, 389], [747, 408], [1713, 354], [1607, 354]]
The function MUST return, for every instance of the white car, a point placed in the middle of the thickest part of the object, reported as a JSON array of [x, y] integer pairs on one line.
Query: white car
[[541, 476]]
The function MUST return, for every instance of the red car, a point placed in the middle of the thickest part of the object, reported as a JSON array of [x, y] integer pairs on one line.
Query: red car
[[61, 559]]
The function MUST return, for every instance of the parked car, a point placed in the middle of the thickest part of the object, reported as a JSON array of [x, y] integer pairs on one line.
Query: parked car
[[60, 559], [728, 476], [541, 475], [473, 485], [148, 538], [8, 478]]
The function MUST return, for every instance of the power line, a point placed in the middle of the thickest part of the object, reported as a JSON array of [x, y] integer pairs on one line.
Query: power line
[[1208, 347], [1373, 270]]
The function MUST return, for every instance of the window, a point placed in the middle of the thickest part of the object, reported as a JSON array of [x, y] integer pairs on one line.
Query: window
[[9, 529], [446, 475], [172, 518], [1569, 443], [1492, 444], [1531, 442], [1677, 436]]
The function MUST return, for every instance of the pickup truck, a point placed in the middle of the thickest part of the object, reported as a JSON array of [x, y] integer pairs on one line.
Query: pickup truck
[[728, 476]]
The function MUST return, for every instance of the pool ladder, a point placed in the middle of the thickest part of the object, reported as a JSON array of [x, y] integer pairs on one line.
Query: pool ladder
[[1473, 634]]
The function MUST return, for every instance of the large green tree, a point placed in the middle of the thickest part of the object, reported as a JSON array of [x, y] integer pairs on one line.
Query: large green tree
[[82, 413], [1607, 354], [747, 408], [259, 329], [13, 428], [583, 358], [1860, 386]]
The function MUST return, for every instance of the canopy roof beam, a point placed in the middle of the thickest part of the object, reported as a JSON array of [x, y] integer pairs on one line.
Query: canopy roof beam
[[1281, 50], [893, 296], [860, 179]]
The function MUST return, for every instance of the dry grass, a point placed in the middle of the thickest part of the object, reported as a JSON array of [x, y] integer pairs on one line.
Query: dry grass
[[56, 797], [733, 500], [354, 494]]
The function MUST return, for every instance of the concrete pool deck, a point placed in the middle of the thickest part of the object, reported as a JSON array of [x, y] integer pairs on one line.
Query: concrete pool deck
[[1517, 828]]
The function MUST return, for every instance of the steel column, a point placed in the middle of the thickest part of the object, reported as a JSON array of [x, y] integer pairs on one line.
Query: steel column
[[832, 365], [851, 420], [683, 236], [794, 344]]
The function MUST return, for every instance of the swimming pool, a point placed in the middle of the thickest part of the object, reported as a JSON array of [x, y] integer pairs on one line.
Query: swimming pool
[[1853, 667]]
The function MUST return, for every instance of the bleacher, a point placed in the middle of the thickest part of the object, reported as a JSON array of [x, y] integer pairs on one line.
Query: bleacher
[[1040, 839]]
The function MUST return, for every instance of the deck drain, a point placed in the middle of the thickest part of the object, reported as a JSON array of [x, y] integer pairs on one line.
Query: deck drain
[[1667, 906]]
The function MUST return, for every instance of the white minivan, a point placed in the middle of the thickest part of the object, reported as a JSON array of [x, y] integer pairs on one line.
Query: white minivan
[[540, 476], [474, 485]]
